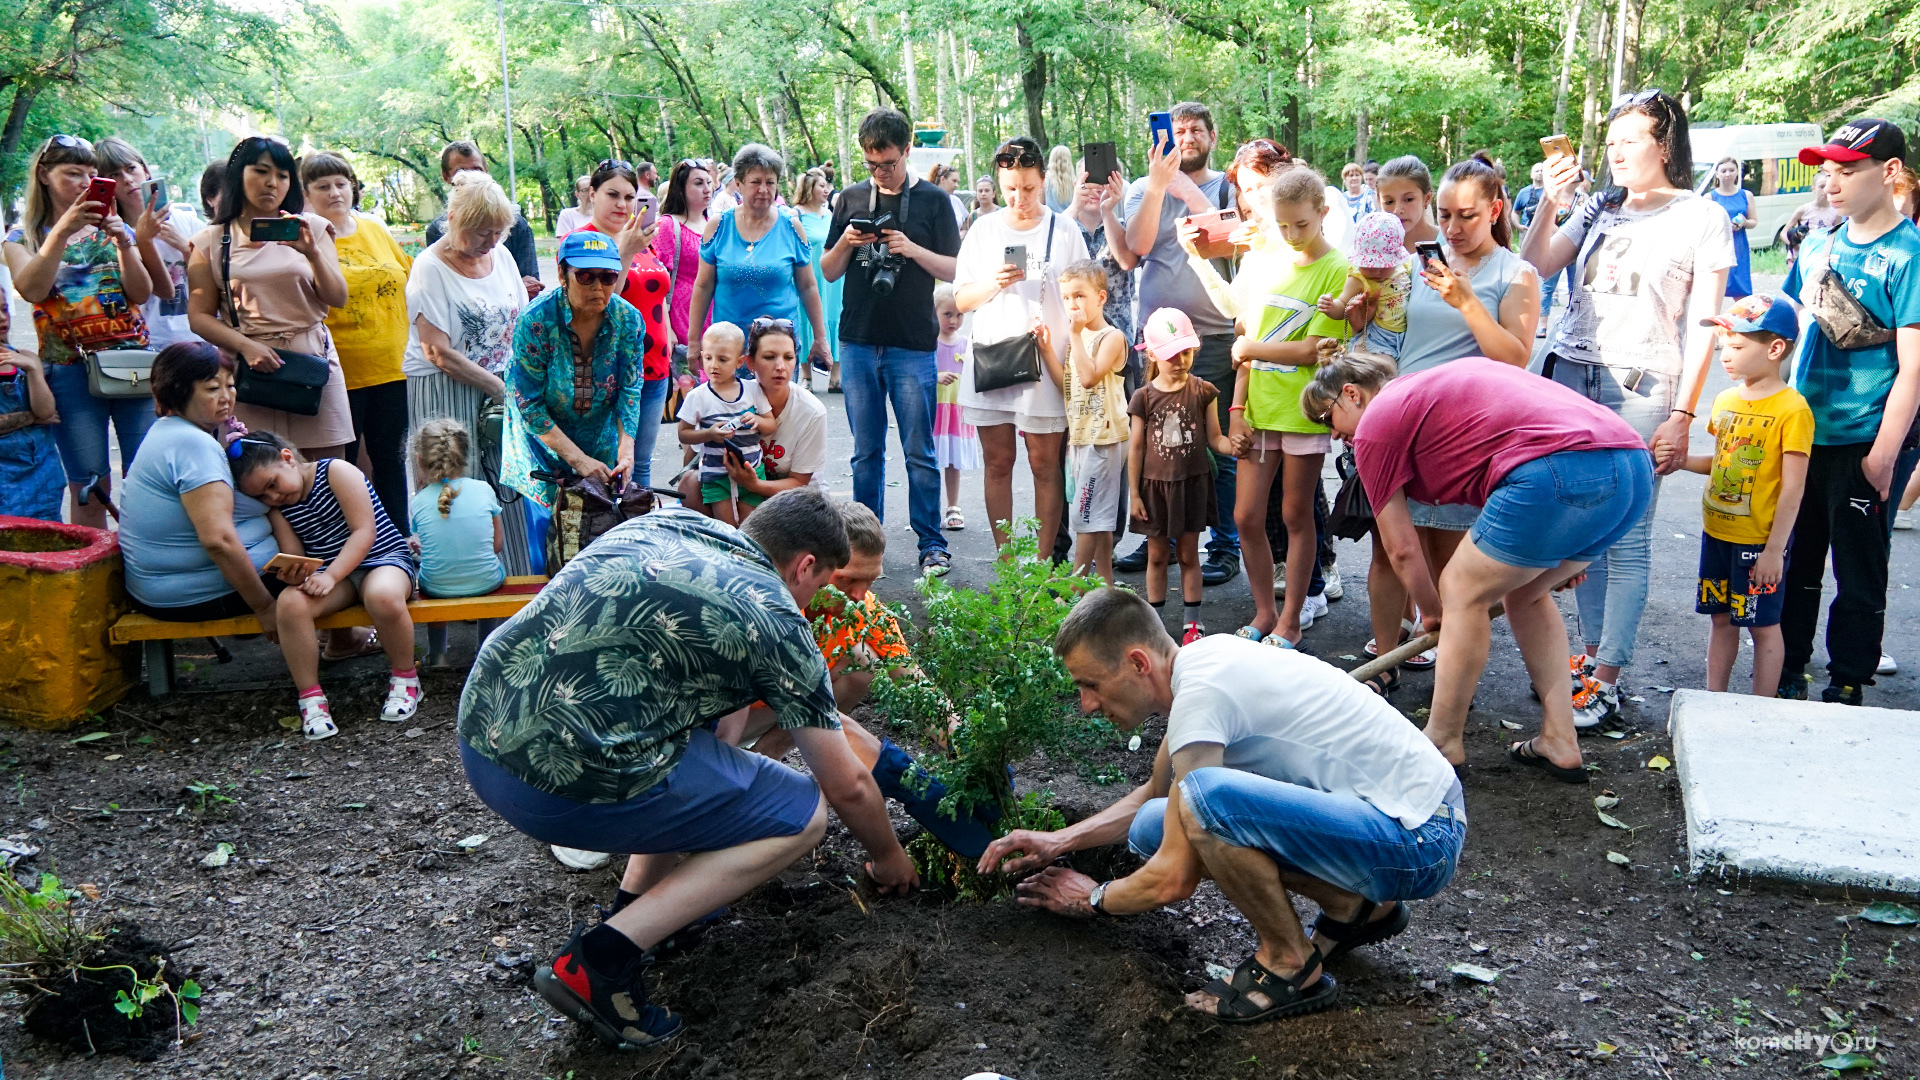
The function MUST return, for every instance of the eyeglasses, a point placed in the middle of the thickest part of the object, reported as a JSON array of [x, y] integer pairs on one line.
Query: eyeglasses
[[603, 278], [1016, 157], [613, 163], [883, 166], [71, 142], [764, 324]]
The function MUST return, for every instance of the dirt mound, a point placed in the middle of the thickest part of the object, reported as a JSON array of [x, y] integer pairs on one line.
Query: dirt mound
[[78, 1012]]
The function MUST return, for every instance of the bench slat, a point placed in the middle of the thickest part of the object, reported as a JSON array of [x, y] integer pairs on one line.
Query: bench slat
[[496, 605]]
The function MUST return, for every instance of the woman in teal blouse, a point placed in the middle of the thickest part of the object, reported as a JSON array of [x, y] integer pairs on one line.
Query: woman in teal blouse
[[576, 376]]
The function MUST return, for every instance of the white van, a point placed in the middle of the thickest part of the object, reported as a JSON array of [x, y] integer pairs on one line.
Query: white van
[[1769, 168]]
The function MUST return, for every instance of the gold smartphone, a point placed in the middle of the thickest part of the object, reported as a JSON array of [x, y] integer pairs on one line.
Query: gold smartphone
[[283, 561], [1556, 144]]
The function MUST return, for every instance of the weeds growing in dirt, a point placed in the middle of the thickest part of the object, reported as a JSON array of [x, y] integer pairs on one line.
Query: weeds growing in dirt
[[207, 796], [42, 938]]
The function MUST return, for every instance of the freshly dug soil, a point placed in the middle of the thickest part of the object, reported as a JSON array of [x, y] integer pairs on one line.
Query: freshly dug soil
[[78, 1011]]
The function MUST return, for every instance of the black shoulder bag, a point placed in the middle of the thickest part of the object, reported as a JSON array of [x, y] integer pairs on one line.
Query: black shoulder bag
[[1351, 518], [1016, 360], [292, 387]]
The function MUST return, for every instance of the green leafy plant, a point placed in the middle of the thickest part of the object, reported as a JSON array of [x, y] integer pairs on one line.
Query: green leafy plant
[[207, 795], [991, 693], [186, 1000]]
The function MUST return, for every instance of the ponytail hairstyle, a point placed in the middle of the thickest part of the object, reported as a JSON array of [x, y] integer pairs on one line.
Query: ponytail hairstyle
[[1407, 167], [258, 450], [1480, 171], [440, 454], [1367, 371], [1669, 119]]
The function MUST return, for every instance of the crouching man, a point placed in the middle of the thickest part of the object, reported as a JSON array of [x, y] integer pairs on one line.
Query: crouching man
[[1279, 773]]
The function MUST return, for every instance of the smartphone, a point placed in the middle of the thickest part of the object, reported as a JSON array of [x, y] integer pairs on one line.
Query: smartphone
[[649, 211], [100, 190], [1160, 130], [154, 193], [283, 561], [863, 225], [1216, 225], [1428, 252], [1102, 161], [285, 229], [1017, 255], [1554, 145]]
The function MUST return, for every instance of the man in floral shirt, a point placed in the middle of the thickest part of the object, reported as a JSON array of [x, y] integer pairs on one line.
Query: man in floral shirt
[[585, 723]]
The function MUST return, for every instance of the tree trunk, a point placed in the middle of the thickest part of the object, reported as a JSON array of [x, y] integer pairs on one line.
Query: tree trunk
[[1292, 139], [10, 134], [912, 67], [873, 43], [1589, 126], [966, 100], [1619, 51], [799, 116], [531, 133], [1568, 41], [1360, 138], [940, 57], [1033, 84], [843, 166]]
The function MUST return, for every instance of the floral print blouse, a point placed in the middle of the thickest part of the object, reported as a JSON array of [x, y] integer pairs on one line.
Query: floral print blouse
[[593, 404]]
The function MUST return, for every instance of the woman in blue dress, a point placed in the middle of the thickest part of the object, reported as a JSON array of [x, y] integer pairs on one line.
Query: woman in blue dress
[[1738, 203], [810, 203], [755, 262]]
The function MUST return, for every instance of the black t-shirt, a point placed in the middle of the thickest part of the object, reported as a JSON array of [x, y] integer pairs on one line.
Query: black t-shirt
[[904, 320]]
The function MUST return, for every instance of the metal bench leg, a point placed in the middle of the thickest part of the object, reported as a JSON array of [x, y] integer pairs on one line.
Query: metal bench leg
[[159, 657]]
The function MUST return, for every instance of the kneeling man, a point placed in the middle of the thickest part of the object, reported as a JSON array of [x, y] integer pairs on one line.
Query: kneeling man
[[1279, 774]]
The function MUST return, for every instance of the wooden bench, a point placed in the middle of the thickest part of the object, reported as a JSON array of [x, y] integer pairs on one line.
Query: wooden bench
[[157, 636]]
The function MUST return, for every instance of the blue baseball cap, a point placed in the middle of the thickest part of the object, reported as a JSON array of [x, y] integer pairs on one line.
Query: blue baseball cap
[[1757, 312], [584, 249]]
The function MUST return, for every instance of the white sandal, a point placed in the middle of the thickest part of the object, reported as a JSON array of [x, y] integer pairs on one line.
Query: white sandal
[[403, 699], [955, 520], [316, 719]]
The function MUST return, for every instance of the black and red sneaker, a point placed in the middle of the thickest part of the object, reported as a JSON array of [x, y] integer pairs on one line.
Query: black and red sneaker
[[614, 1006]]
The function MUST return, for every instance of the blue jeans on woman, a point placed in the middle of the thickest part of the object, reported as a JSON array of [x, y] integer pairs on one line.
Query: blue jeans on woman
[[871, 377], [82, 432], [653, 405]]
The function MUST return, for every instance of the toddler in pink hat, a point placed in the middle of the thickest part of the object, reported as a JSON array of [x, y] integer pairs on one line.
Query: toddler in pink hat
[[1382, 270]]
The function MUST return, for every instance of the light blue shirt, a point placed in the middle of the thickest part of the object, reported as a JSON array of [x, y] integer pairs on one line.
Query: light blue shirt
[[1436, 333], [166, 566], [456, 551], [1848, 388]]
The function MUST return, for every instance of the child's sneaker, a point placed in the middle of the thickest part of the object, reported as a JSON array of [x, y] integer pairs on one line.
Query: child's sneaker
[[1580, 664], [1794, 687], [1313, 610], [403, 698], [1335, 590], [1596, 706], [1843, 695], [1191, 633], [316, 719], [1888, 665]]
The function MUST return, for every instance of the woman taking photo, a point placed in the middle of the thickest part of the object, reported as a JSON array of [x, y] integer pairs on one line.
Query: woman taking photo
[[80, 266], [1558, 479], [166, 258], [1009, 300], [810, 205], [576, 378], [1738, 203], [683, 221], [754, 262], [370, 332], [1481, 300], [615, 210], [279, 291], [1097, 203], [464, 296], [1654, 258]]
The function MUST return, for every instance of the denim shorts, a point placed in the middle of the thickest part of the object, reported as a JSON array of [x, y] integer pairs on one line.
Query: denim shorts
[[1337, 838], [1453, 517], [1726, 587], [718, 796], [81, 434], [1571, 505]]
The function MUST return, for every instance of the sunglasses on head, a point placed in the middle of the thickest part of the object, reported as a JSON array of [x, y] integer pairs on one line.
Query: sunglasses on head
[[613, 163], [764, 323], [71, 142], [1016, 157], [605, 278], [1629, 101]]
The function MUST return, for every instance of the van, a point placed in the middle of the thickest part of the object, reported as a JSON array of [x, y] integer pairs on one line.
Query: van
[[1769, 168]]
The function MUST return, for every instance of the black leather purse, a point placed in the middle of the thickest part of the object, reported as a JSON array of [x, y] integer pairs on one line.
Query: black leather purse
[[1351, 517], [1016, 360], [294, 386]]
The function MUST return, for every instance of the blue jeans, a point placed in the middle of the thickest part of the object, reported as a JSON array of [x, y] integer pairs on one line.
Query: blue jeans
[[1614, 595], [871, 377], [1214, 363], [653, 405], [1336, 838], [82, 432]]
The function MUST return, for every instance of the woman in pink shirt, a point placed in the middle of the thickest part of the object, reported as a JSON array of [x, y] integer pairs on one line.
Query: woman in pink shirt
[[1558, 479]]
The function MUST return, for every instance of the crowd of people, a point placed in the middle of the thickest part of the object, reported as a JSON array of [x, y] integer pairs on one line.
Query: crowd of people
[[327, 420]]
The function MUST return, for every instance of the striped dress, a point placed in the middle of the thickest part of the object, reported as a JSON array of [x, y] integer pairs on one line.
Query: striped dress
[[323, 530]]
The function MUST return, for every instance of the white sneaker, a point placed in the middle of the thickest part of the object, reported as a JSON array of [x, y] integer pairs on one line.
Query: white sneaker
[[1315, 608], [316, 719], [1596, 706], [1903, 519], [574, 858], [403, 698], [1334, 589], [1888, 665]]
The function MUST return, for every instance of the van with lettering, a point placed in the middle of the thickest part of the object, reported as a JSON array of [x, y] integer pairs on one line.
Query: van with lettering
[[1769, 168]]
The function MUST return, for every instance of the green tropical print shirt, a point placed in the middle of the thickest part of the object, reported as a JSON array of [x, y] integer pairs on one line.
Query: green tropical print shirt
[[664, 624]]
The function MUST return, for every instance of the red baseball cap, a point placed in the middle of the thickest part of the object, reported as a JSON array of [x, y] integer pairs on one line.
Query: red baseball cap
[[1858, 140]]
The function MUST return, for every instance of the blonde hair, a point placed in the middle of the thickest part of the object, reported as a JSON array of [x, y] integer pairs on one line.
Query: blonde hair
[[803, 186], [1061, 174], [440, 450], [1368, 371], [40, 216], [1352, 168], [1086, 270], [478, 203], [943, 293]]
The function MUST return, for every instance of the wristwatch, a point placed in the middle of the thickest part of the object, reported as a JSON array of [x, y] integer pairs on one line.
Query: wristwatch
[[1097, 896]]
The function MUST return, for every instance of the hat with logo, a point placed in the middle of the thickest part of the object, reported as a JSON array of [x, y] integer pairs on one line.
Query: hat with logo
[[1168, 334], [1379, 242], [1757, 312], [584, 249], [1858, 140]]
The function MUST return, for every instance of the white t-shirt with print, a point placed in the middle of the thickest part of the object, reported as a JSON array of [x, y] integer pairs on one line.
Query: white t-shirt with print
[[1011, 313], [800, 446], [1287, 716], [1633, 278], [476, 314], [167, 319]]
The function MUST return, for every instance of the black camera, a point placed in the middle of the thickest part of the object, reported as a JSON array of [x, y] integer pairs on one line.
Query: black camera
[[883, 265]]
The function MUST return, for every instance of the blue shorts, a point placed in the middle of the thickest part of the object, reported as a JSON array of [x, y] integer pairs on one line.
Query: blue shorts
[[1453, 517], [1569, 506], [82, 432], [717, 797], [1339, 839], [1725, 585]]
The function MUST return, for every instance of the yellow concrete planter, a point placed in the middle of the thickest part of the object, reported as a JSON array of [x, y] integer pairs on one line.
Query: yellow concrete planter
[[61, 588]]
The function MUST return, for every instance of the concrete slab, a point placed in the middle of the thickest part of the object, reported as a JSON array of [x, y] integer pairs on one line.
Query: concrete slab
[[1799, 789]]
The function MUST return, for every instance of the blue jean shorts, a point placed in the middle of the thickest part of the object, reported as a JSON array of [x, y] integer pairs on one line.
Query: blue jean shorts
[[1571, 505], [1453, 517], [717, 797], [1726, 585], [82, 432], [1337, 838]]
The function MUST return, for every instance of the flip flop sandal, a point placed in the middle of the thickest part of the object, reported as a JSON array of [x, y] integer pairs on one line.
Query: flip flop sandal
[[1383, 683], [1286, 997], [1523, 753], [367, 648], [1250, 632], [1357, 931]]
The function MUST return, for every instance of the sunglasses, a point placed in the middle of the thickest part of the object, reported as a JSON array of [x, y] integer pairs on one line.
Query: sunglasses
[[1629, 101], [1016, 157], [613, 163], [763, 324], [603, 278], [71, 142]]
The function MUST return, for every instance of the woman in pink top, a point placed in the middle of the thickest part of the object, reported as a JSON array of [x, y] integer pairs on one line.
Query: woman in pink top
[[683, 215], [1558, 479]]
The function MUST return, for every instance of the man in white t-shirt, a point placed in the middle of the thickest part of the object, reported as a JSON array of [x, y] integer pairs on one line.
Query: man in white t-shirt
[[1279, 773]]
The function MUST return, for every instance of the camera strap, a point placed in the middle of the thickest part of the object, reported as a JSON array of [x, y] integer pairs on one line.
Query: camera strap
[[873, 200], [226, 272]]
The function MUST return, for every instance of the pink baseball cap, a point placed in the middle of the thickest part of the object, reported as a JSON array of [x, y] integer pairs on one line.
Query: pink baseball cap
[[1168, 333], [1379, 242]]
